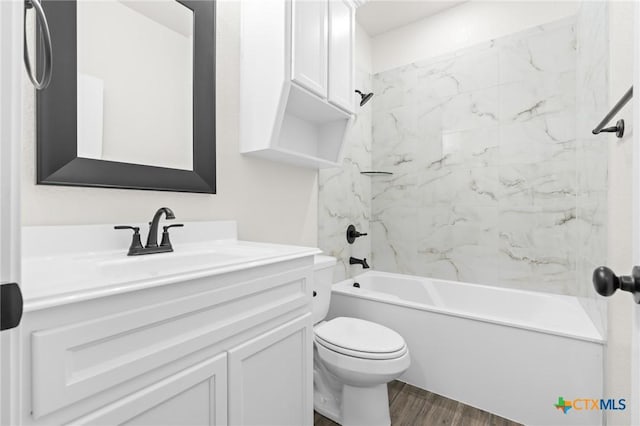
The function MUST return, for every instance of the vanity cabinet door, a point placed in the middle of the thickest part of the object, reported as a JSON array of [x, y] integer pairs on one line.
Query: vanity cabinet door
[[309, 45], [341, 51], [194, 396], [271, 377]]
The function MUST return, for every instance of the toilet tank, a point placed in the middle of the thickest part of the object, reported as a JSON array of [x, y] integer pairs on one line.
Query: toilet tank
[[322, 281]]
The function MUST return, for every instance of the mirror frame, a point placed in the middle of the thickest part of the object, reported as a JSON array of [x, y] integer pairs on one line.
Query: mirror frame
[[56, 111]]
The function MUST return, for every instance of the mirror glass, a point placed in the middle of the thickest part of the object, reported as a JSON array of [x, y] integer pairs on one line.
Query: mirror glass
[[141, 113]]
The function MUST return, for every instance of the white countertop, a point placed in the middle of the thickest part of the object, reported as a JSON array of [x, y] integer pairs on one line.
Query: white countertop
[[59, 267]]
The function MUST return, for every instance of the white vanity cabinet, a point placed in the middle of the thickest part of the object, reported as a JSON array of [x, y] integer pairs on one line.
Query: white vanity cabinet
[[195, 396], [272, 376], [296, 80], [233, 348]]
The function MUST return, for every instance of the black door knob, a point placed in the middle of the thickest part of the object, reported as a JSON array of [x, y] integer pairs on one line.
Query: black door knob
[[606, 282]]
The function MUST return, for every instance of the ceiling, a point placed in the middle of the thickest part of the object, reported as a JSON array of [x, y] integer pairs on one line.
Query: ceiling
[[380, 16]]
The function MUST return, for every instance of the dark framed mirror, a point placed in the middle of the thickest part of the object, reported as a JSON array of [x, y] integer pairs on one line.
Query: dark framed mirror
[[131, 102]]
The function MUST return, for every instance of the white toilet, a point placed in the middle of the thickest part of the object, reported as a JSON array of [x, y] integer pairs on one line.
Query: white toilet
[[353, 360]]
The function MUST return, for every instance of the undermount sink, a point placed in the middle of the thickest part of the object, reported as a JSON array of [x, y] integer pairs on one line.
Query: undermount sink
[[166, 263]]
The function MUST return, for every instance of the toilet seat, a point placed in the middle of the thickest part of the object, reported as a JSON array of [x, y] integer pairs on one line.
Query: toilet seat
[[360, 339], [360, 354]]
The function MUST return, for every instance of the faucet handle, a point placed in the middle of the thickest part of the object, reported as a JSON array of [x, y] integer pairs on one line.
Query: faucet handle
[[134, 228], [165, 234], [352, 234], [136, 244], [177, 225]]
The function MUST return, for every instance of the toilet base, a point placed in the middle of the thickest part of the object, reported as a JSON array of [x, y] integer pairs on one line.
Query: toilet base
[[365, 406], [327, 391], [326, 401], [327, 412]]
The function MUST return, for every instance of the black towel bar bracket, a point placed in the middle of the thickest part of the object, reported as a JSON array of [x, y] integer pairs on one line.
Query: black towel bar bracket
[[618, 129]]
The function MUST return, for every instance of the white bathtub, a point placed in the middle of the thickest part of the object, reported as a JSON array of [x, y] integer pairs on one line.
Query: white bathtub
[[510, 352]]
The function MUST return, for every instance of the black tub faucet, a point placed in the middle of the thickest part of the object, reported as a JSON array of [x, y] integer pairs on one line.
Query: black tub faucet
[[363, 262]]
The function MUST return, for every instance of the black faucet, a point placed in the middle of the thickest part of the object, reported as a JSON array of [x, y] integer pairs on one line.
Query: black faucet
[[152, 238], [363, 262], [152, 246]]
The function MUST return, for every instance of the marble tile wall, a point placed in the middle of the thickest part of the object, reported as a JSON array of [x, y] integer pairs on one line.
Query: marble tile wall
[[491, 183], [496, 177], [345, 194]]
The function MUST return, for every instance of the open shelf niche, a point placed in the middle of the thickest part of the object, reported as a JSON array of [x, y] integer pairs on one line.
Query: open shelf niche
[[283, 117]]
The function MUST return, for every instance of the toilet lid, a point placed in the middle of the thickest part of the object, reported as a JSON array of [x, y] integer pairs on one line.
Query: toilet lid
[[359, 335], [363, 355]]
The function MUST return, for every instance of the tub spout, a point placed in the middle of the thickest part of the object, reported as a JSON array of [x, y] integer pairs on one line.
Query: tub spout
[[363, 262]]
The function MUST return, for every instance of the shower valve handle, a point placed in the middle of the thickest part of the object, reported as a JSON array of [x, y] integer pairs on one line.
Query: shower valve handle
[[606, 282], [352, 234]]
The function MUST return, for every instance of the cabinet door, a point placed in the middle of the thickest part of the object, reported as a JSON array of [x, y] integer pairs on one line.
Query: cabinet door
[[271, 377], [309, 45], [195, 396], [341, 51]]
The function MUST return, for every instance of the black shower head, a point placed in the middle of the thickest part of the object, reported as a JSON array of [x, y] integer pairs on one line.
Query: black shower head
[[364, 97]]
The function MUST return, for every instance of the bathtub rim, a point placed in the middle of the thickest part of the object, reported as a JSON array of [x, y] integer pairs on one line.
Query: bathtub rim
[[452, 312]]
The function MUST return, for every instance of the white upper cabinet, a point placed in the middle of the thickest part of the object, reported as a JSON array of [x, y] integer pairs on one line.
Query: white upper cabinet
[[296, 80], [309, 45], [341, 53]]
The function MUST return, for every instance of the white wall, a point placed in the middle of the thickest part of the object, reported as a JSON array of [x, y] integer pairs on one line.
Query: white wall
[[462, 26], [271, 201], [618, 355], [364, 54]]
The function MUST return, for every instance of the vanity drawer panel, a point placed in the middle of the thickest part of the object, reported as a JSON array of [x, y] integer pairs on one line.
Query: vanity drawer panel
[[76, 361]]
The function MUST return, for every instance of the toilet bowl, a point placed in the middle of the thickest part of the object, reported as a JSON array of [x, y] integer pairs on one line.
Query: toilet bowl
[[354, 360]]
